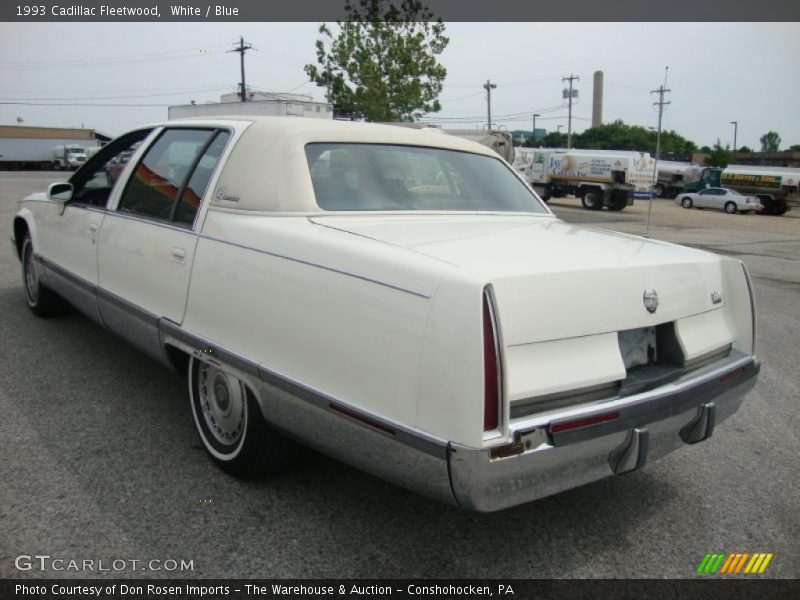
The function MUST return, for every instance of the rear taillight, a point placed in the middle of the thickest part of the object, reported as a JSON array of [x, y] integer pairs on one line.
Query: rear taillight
[[491, 367]]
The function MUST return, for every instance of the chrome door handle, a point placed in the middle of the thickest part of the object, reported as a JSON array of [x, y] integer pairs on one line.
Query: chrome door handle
[[178, 253]]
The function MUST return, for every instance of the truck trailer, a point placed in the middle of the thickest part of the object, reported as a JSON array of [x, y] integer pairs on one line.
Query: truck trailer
[[36, 148], [776, 187], [610, 178]]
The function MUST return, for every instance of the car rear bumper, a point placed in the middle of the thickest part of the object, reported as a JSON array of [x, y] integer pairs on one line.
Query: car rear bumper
[[648, 425]]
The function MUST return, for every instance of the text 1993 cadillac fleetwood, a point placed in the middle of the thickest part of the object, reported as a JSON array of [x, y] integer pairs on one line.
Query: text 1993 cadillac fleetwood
[[398, 299]]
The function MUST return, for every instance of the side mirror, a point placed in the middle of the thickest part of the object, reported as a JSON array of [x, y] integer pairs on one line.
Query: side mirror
[[60, 192]]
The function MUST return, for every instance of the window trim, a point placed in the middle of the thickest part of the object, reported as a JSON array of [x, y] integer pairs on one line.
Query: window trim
[[170, 221]]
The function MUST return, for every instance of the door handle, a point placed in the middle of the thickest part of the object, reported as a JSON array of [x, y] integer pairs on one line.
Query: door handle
[[178, 253], [93, 227]]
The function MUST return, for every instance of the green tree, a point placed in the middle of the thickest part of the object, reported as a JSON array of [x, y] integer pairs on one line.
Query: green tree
[[554, 139], [619, 136], [382, 63], [770, 141], [795, 148], [744, 149], [719, 156]]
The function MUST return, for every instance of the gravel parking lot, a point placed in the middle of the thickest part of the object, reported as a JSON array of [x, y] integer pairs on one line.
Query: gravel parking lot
[[101, 460]]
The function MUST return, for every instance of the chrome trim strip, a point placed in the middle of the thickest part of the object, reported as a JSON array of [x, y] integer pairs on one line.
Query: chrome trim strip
[[147, 221], [750, 289], [503, 408], [133, 310], [409, 436], [62, 272], [319, 266]]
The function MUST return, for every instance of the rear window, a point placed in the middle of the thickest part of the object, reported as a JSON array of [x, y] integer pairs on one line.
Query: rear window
[[364, 177]]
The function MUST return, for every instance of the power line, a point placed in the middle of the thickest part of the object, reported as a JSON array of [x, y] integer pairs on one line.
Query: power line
[[101, 63], [209, 89]]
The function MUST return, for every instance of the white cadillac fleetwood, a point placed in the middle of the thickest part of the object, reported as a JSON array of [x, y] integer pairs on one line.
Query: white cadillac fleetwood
[[398, 299]]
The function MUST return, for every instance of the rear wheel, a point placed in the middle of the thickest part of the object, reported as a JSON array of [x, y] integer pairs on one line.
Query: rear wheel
[[730, 208], [687, 202], [592, 200], [41, 300], [230, 424]]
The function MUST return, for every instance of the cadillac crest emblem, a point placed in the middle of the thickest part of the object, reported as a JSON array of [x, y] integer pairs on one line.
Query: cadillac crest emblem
[[650, 299]]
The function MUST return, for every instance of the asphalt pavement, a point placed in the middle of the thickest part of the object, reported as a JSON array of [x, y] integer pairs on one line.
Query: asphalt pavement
[[101, 461]]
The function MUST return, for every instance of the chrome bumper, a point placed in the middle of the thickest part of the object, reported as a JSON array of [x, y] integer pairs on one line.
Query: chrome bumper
[[647, 426]]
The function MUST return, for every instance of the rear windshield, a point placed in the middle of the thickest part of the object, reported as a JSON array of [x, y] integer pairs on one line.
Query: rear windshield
[[352, 177]]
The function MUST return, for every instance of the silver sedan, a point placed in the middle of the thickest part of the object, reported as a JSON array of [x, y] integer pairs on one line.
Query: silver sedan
[[725, 199]]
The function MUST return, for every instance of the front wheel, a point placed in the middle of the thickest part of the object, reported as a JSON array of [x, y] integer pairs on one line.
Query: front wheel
[[230, 424], [41, 300], [686, 202], [730, 208]]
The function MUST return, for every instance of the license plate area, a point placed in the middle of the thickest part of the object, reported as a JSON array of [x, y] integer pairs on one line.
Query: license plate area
[[638, 347]]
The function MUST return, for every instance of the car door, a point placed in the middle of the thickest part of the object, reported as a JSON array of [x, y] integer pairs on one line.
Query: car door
[[68, 238], [147, 243], [705, 199]]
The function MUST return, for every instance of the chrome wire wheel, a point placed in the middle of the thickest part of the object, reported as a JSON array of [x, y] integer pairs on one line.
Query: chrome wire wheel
[[222, 401], [230, 423], [30, 276]]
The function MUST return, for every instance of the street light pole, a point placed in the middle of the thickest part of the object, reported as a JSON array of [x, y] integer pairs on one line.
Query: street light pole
[[533, 135], [735, 131]]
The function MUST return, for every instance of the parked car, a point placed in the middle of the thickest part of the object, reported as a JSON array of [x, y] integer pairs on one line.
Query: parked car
[[398, 299], [722, 198]]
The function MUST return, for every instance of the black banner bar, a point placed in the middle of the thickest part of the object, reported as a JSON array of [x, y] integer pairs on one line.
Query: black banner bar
[[712, 587], [447, 10]]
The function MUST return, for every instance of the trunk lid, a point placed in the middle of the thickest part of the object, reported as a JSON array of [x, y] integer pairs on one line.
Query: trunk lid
[[553, 280]]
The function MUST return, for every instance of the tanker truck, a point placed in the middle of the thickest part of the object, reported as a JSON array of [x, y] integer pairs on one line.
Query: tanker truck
[[776, 187], [499, 141], [610, 178], [670, 178]]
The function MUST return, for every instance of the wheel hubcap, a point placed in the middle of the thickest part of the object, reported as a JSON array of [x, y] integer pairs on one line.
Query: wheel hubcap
[[31, 278], [222, 401]]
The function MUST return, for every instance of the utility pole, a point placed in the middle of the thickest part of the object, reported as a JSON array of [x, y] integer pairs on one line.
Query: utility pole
[[533, 135], [241, 49], [571, 78], [661, 104], [489, 86], [735, 131]]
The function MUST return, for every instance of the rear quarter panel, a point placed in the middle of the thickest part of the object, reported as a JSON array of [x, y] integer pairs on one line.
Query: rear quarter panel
[[334, 312]]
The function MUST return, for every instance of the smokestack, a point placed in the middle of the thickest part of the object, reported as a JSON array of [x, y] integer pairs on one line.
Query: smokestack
[[597, 101]]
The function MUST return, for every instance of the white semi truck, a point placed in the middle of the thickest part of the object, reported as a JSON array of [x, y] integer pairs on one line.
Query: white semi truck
[[36, 148], [610, 178]]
